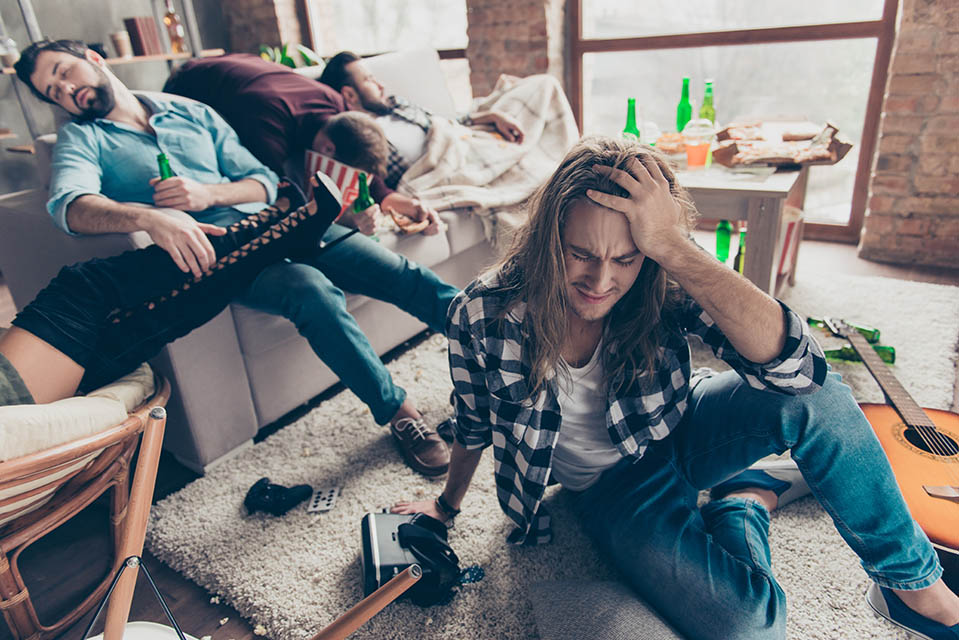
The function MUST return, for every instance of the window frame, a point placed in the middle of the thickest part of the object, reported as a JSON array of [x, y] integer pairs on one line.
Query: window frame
[[303, 10], [883, 29]]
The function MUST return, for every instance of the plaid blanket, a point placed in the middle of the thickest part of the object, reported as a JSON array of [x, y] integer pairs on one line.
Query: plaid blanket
[[473, 169]]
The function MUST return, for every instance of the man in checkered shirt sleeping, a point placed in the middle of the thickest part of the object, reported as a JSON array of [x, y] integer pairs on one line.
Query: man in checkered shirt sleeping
[[570, 357]]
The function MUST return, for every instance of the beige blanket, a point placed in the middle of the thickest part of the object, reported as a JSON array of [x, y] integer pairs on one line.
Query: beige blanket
[[476, 171]]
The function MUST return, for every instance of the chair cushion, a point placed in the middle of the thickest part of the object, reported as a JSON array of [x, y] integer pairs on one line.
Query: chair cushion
[[27, 428], [572, 609]]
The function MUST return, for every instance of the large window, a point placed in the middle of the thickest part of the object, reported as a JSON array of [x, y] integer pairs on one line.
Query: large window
[[830, 83], [818, 60], [369, 27]]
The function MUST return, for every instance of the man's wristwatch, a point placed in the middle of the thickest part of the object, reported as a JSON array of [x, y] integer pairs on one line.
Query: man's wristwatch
[[445, 507]]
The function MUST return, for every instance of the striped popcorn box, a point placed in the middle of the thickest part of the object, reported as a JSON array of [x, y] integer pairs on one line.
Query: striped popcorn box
[[346, 177]]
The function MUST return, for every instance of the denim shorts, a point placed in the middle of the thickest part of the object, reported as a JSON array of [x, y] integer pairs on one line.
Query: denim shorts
[[12, 389]]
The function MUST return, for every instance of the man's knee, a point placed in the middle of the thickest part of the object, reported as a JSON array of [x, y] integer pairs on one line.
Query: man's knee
[[296, 290], [831, 408]]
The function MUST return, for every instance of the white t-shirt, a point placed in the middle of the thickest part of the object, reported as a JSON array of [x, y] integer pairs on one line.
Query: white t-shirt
[[583, 449], [409, 139]]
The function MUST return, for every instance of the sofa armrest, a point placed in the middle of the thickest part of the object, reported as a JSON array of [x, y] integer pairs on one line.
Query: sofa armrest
[[32, 249]]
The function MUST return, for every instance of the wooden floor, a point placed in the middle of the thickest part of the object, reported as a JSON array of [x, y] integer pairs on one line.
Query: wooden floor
[[60, 566]]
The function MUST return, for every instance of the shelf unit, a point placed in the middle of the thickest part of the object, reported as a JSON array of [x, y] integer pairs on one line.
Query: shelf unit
[[163, 57], [34, 33]]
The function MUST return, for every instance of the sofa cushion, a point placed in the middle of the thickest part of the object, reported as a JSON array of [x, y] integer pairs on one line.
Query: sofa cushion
[[463, 230]]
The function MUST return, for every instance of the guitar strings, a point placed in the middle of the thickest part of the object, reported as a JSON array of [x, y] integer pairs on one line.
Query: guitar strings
[[937, 442]]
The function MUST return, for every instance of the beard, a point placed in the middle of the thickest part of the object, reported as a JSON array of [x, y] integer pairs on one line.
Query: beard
[[103, 100], [374, 105]]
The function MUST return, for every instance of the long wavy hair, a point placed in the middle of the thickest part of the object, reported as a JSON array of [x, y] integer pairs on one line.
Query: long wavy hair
[[533, 269]]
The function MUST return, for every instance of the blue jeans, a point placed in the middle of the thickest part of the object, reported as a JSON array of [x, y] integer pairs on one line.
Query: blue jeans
[[707, 571], [310, 294]]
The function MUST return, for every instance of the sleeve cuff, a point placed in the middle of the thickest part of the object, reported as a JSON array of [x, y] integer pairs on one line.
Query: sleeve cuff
[[58, 206], [268, 183], [470, 434]]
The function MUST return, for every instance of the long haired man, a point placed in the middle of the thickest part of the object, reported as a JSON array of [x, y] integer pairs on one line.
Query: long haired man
[[571, 358]]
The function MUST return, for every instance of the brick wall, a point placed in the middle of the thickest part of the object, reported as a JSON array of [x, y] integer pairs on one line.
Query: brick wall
[[251, 23], [519, 37], [913, 208]]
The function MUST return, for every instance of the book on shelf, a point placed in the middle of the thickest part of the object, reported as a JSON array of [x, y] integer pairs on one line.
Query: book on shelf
[[144, 36]]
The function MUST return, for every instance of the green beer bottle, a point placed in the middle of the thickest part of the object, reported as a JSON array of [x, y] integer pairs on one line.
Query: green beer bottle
[[684, 110], [846, 353], [723, 232], [631, 131], [164, 163], [871, 334], [739, 262], [363, 200], [707, 110]]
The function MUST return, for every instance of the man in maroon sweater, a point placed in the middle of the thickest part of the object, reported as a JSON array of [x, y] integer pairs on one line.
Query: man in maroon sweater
[[277, 114]]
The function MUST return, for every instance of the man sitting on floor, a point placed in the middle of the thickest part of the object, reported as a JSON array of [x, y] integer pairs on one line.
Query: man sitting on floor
[[571, 358], [106, 159]]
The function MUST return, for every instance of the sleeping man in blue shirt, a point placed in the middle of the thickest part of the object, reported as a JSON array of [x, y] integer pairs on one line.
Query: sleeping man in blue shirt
[[105, 180]]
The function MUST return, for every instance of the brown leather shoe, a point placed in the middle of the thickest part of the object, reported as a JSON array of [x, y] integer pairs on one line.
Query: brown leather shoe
[[421, 447]]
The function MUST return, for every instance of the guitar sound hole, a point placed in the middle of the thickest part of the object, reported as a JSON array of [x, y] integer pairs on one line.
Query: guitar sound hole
[[934, 442]]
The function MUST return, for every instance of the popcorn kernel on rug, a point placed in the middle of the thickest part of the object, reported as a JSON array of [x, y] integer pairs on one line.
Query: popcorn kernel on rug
[[296, 573]]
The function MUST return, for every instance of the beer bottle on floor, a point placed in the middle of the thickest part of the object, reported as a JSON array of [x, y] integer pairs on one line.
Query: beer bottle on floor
[[723, 232], [871, 334], [886, 353], [631, 131], [164, 164], [684, 110]]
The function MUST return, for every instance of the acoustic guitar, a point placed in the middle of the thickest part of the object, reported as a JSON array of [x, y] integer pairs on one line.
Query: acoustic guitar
[[922, 446]]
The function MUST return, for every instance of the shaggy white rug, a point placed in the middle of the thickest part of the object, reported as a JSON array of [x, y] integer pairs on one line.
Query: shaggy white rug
[[295, 574]]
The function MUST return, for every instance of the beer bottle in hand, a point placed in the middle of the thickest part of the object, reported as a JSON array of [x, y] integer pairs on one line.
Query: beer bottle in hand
[[164, 164], [363, 199]]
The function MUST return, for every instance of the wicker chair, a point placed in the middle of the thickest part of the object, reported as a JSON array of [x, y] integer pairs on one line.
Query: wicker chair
[[69, 477]]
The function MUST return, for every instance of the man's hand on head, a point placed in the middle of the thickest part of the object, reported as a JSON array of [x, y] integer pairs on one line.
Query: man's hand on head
[[184, 194], [183, 238], [652, 211]]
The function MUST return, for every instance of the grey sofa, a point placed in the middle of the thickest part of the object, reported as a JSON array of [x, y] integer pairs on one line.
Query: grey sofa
[[245, 369]]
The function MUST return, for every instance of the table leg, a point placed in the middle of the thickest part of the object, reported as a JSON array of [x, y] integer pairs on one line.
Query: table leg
[[763, 217]]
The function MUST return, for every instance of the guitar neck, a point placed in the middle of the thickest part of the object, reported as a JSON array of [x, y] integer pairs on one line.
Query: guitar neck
[[899, 398]]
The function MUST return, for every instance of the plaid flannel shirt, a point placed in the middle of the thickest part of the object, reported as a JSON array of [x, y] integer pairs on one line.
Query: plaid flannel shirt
[[396, 164], [492, 406]]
